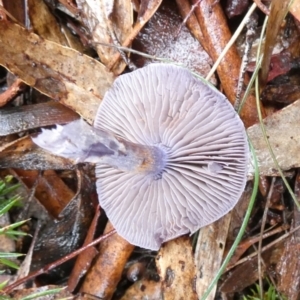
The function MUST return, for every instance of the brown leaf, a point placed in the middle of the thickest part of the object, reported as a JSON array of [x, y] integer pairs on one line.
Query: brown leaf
[[61, 73], [283, 132], [50, 190], [109, 22], [84, 259], [44, 23]]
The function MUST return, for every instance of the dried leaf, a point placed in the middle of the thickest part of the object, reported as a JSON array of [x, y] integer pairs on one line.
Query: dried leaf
[[61, 73], [44, 23], [109, 22], [283, 132]]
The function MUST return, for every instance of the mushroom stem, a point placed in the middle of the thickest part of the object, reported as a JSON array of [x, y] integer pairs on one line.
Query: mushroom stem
[[83, 143]]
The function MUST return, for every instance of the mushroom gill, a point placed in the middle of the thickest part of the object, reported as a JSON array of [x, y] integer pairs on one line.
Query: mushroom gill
[[171, 154]]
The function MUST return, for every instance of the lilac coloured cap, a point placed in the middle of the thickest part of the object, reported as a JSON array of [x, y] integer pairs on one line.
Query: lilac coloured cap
[[206, 148]]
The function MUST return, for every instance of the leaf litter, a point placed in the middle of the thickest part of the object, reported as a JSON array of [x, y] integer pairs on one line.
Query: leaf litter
[[79, 82]]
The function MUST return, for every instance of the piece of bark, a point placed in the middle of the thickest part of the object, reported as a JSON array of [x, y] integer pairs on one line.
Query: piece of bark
[[12, 91], [22, 118], [144, 289], [288, 267], [209, 254], [176, 267], [279, 9], [216, 35], [105, 274], [50, 190]]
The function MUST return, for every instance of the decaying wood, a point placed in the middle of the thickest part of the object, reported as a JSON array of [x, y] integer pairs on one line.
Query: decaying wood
[[17, 86], [49, 189], [103, 277], [177, 270], [209, 254], [22, 118], [84, 259], [216, 35], [288, 267]]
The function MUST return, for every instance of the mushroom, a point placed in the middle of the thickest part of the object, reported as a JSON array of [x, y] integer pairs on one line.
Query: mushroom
[[171, 154]]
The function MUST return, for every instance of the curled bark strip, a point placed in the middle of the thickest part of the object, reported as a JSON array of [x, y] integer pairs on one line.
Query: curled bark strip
[[11, 92], [216, 35]]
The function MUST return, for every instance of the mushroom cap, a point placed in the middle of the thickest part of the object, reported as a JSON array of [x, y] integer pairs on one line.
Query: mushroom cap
[[206, 155]]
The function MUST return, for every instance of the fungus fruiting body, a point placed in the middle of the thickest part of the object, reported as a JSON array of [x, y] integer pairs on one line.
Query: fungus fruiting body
[[171, 154]]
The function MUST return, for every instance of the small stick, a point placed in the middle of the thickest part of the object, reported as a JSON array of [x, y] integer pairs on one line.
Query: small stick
[[11, 92], [51, 266], [262, 7]]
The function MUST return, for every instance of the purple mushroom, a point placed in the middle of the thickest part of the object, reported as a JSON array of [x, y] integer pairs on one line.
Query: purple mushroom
[[171, 154]]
